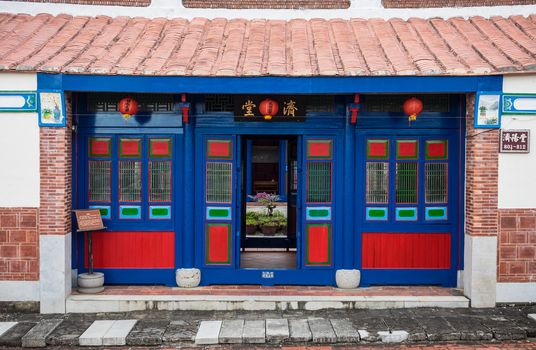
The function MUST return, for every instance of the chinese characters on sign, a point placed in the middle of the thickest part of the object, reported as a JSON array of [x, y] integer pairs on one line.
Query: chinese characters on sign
[[515, 141], [291, 108]]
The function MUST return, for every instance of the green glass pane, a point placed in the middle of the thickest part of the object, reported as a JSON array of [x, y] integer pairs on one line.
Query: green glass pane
[[129, 211], [220, 213], [318, 213], [436, 212], [409, 213], [160, 211], [376, 213]]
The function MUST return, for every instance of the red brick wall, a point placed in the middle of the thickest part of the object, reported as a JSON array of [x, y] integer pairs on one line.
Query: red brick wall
[[97, 2], [268, 4], [452, 3], [55, 171], [19, 244], [482, 174], [517, 245]]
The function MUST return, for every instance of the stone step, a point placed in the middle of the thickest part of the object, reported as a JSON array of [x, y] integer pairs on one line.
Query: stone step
[[208, 333], [36, 337], [80, 303], [6, 326]]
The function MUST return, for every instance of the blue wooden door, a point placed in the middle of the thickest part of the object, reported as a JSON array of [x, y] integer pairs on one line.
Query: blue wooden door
[[317, 202], [219, 215], [408, 213]]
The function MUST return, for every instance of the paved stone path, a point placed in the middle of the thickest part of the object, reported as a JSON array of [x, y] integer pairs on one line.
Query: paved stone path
[[283, 328]]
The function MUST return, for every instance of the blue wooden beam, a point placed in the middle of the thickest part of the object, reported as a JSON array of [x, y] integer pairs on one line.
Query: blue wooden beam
[[262, 85]]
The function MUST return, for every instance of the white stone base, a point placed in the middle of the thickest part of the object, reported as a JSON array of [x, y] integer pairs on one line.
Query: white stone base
[[188, 278], [19, 291], [348, 279], [516, 292], [54, 272], [480, 273]]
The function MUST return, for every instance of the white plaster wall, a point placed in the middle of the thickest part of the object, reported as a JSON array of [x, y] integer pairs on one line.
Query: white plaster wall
[[55, 272], [19, 290], [19, 148], [480, 270], [17, 81], [516, 292], [174, 8], [517, 185]]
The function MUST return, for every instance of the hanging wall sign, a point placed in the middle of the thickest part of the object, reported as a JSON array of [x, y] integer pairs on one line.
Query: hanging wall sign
[[18, 102], [487, 110], [255, 108], [51, 108], [515, 141], [519, 104]]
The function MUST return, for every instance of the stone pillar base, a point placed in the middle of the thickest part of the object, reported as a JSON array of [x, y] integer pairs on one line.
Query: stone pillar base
[[348, 279], [188, 278]]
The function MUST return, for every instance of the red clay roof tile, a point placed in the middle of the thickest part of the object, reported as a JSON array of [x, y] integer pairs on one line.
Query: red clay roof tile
[[238, 47]]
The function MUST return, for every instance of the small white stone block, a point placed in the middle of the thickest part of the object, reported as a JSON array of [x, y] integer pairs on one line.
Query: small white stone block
[[348, 279], [6, 326], [188, 278], [393, 337], [94, 334], [533, 316], [117, 334], [208, 333]]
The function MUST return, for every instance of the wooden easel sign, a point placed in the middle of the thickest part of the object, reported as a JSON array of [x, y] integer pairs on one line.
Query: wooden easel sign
[[89, 220]]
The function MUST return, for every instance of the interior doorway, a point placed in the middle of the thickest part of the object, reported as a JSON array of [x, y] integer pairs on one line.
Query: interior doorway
[[268, 204]]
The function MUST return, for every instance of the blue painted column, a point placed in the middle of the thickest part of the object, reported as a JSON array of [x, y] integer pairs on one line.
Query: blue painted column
[[188, 229], [349, 229]]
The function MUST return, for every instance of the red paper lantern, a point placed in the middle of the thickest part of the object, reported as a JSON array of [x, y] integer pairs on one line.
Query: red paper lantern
[[128, 107], [268, 108], [412, 107]]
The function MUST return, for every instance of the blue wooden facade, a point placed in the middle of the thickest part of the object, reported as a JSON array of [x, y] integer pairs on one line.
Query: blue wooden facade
[[356, 221]]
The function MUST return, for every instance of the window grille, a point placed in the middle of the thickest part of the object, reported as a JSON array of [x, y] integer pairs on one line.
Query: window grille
[[129, 181], [99, 181], [318, 182], [406, 183], [436, 180], [219, 103], [219, 185], [108, 102], [160, 181], [394, 103], [320, 104], [377, 182]]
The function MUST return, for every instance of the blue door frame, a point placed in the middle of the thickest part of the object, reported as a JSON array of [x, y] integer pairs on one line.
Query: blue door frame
[[232, 273]]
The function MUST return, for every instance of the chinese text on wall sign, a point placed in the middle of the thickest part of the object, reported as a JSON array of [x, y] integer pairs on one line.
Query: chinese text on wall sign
[[289, 108], [515, 141]]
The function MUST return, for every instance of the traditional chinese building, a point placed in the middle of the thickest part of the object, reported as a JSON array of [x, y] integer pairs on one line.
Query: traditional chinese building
[[277, 151]]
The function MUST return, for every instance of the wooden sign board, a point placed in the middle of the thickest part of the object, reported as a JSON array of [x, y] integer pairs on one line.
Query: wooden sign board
[[515, 141], [89, 220], [290, 108]]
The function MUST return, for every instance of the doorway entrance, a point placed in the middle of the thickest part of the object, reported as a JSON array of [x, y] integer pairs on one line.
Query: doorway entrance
[[297, 174], [269, 188]]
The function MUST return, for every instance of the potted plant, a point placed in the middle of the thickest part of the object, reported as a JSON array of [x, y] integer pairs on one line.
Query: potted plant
[[283, 227], [252, 223], [269, 226]]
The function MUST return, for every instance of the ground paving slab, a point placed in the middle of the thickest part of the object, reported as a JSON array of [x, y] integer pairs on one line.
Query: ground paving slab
[[228, 329]]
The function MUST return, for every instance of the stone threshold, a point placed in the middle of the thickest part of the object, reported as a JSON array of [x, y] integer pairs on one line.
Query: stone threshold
[[203, 300]]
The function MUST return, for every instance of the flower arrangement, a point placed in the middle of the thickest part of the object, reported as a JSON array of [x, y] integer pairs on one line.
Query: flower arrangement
[[266, 199]]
